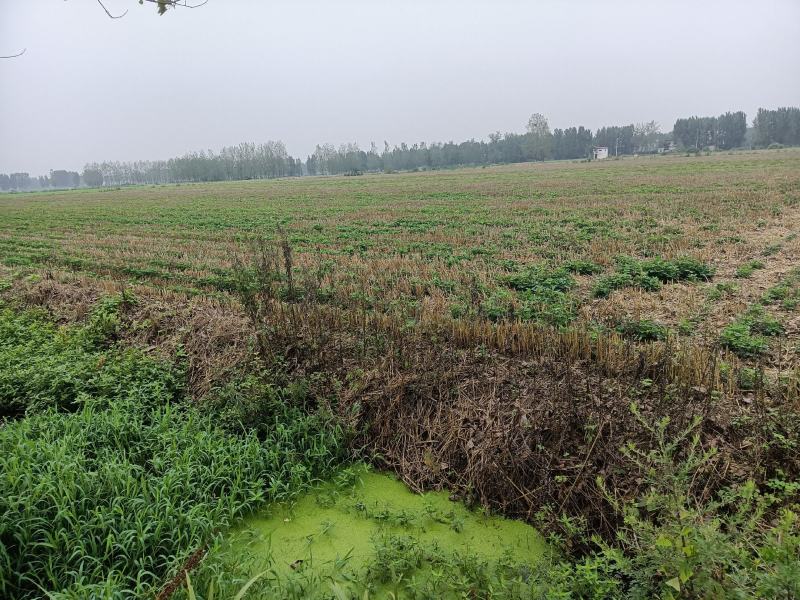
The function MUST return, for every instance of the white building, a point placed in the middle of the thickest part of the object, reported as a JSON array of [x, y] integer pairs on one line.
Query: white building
[[600, 152]]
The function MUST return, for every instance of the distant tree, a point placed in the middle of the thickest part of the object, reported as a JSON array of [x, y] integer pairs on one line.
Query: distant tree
[[92, 177], [5, 182], [645, 136], [539, 145], [725, 131], [64, 179], [779, 126], [696, 132], [19, 181], [731, 129], [618, 140], [311, 165]]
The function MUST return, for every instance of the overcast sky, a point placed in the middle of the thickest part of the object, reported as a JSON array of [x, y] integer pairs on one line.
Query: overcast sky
[[308, 71]]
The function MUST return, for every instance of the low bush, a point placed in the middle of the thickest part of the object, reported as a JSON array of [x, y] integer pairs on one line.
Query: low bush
[[787, 292], [650, 274], [739, 338], [582, 267], [499, 305], [543, 296], [745, 336], [553, 308], [539, 279], [643, 331], [42, 365], [616, 281], [742, 543], [748, 268]]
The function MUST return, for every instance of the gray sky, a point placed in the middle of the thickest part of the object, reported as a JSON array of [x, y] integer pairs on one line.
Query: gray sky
[[311, 71]]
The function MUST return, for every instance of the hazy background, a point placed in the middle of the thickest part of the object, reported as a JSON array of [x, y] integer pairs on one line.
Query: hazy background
[[305, 71]]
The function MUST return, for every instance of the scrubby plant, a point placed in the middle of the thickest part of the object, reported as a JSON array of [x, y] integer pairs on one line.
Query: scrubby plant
[[643, 330], [743, 543], [543, 295], [539, 278], [721, 289], [616, 281], [787, 292], [748, 378], [748, 268], [739, 338], [650, 274], [582, 267], [745, 336], [499, 305], [547, 308], [42, 365], [762, 322]]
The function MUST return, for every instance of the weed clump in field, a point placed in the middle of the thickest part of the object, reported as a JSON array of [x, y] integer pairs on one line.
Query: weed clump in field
[[748, 268], [43, 366], [746, 335], [787, 292], [650, 274], [643, 330], [544, 295], [541, 280], [743, 542], [582, 267], [720, 290]]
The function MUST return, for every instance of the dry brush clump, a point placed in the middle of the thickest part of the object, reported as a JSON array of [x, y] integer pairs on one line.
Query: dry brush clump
[[516, 416]]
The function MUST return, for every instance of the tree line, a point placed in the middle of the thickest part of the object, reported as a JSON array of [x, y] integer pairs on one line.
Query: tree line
[[537, 143], [59, 179], [244, 161], [725, 131], [780, 126]]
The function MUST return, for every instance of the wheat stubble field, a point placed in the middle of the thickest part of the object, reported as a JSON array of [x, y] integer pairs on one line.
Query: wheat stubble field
[[530, 244], [528, 337]]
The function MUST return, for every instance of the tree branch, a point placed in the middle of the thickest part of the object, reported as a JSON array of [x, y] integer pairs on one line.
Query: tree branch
[[15, 55], [164, 4], [110, 16]]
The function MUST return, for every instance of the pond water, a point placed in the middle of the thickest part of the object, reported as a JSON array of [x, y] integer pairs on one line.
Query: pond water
[[367, 531]]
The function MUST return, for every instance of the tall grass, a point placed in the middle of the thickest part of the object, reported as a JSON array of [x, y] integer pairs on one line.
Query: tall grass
[[108, 500]]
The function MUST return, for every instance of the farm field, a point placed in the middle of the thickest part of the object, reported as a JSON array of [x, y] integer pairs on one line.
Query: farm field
[[563, 343], [459, 243]]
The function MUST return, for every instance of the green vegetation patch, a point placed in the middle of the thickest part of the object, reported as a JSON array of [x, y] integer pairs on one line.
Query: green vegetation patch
[[643, 330], [650, 274], [107, 499], [542, 296], [748, 268], [43, 365], [747, 335], [786, 293]]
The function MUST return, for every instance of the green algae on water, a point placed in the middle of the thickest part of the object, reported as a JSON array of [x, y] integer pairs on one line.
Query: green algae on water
[[365, 532]]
